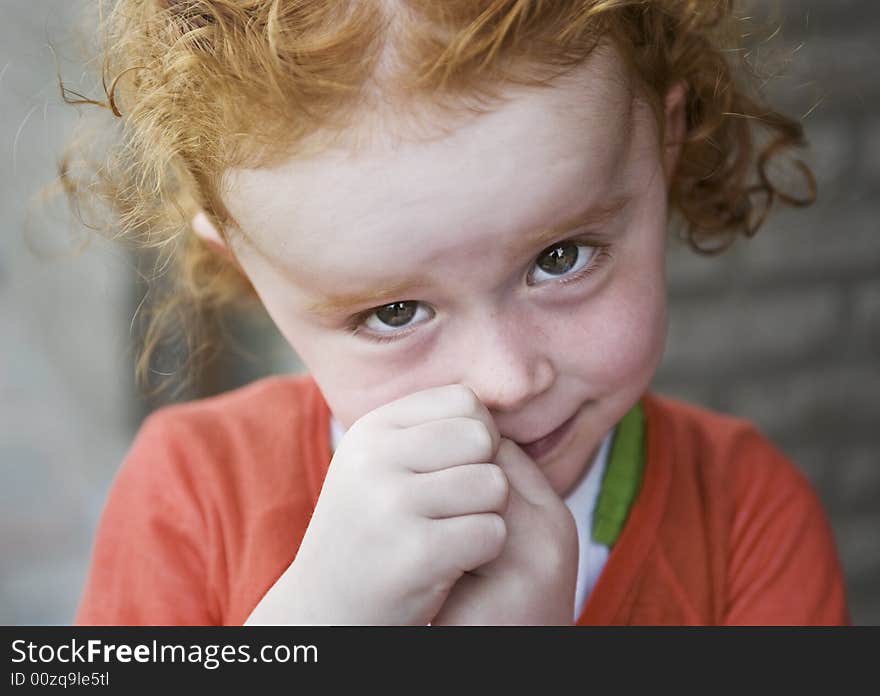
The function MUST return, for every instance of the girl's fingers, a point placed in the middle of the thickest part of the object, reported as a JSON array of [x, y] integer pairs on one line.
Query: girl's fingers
[[523, 473], [459, 490], [466, 542]]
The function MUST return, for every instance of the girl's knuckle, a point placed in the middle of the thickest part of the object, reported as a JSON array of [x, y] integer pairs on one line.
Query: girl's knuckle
[[468, 401], [493, 532], [481, 439], [497, 483]]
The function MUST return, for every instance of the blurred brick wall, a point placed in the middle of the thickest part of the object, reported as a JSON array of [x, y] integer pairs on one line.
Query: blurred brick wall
[[783, 329]]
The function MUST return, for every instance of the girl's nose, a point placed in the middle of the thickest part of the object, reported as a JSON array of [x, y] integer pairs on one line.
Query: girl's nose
[[507, 366]]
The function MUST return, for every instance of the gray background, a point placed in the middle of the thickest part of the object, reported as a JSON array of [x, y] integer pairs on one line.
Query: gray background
[[784, 329]]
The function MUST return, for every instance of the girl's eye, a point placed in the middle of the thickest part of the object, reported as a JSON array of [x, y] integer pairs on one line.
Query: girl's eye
[[391, 316], [394, 315], [563, 261]]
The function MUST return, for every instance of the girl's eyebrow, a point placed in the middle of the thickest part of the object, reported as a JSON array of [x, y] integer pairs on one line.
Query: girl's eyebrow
[[593, 216], [596, 214], [332, 303]]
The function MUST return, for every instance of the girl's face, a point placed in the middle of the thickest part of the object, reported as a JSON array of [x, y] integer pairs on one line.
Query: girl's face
[[521, 255]]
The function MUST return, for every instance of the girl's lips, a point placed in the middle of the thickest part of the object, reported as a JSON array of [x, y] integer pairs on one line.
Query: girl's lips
[[546, 444]]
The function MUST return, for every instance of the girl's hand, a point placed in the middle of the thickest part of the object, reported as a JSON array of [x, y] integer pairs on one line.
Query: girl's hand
[[533, 580], [410, 502]]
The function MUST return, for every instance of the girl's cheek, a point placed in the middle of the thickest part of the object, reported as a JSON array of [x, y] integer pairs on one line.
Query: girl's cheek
[[642, 339], [640, 345], [620, 339], [353, 387]]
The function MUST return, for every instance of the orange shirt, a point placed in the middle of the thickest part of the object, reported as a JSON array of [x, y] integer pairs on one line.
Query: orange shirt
[[214, 496]]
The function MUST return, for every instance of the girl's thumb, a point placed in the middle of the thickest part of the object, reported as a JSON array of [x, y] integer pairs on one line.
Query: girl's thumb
[[523, 473]]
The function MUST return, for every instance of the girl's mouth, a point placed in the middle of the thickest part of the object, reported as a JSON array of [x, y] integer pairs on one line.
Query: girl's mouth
[[547, 444]]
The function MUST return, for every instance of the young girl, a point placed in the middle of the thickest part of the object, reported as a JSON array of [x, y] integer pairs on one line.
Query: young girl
[[455, 213]]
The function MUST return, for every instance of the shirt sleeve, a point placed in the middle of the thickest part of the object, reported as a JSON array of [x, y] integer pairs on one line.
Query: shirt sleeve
[[784, 568], [148, 564]]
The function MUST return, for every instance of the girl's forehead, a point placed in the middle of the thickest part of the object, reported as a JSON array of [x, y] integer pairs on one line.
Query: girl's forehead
[[600, 82], [536, 150]]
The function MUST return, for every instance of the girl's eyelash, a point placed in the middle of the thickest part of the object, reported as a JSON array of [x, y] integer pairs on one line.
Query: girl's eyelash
[[379, 338], [600, 257]]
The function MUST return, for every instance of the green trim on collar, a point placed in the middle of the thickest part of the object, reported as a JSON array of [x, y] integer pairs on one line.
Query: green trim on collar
[[623, 476]]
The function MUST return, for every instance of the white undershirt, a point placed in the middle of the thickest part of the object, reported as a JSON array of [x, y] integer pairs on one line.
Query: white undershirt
[[580, 501]]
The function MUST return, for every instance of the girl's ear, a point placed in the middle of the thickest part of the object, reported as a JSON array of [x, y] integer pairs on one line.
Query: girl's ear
[[205, 229], [676, 124]]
